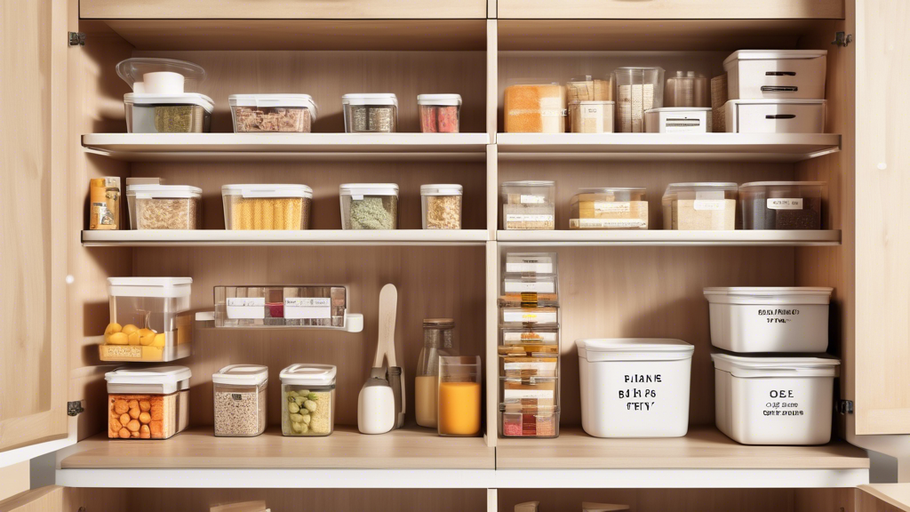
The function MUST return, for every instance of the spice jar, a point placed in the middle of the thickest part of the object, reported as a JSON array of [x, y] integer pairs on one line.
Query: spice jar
[[376, 112], [529, 205], [782, 204], [308, 400], [147, 403], [240, 400], [441, 206], [438, 340], [539, 108], [369, 205], [164, 206], [609, 208], [439, 113], [459, 395], [637, 90], [272, 112], [700, 206], [104, 197], [279, 206]]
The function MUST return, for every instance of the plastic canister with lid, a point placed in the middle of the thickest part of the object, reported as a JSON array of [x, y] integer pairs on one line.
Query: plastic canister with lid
[[439, 113], [370, 112], [638, 89], [687, 89]]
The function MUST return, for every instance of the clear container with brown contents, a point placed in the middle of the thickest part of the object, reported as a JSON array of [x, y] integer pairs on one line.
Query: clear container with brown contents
[[441, 206], [609, 208], [370, 113], [273, 112], [528, 205], [700, 206], [439, 113], [240, 400], [147, 403], [529, 291], [782, 204], [164, 206], [267, 207]]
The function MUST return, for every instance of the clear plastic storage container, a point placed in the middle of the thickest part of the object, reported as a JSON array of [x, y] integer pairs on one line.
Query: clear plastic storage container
[[535, 108], [529, 291], [459, 395], [280, 306], [700, 206], [168, 113], [521, 340], [373, 112], [637, 90], [591, 116], [308, 400], [782, 204], [369, 205], [439, 113], [441, 206], [147, 403], [678, 120], [529, 263], [150, 319], [240, 400], [528, 317], [528, 205], [688, 89], [517, 420], [164, 206], [278, 206], [776, 74], [609, 208], [588, 88], [273, 112], [775, 116]]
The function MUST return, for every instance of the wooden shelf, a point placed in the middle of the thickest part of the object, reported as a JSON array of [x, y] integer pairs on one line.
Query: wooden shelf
[[667, 237], [232, 147], [730, 147], [223, 237]]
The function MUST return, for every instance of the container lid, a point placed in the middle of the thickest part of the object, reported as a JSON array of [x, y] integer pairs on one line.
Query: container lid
[[274, 100], [769, 295], [309, 375], [633, 68], [633, 349], [591, 102], [773, 101], [529, 183], [163, 287], [758, 184], [439, 99], [441, 190], [164, 191], [242, 375], [678, 109], [162, 375], [133, 70], [611, 190], [187, 98], [268, 190], [380, 98], [436, 323], [741, 366], [675, 188], [368, 189], [774, 55]]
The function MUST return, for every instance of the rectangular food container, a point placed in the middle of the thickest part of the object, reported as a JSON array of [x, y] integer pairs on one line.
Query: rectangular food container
[[147, 403], [529, 291], [439, 113], [776, 74], [528, 317], [373, 112], [529, 392], [440, 205], [279, 206], [281, 306], [678, 120], [522, 340], [164, 206], [150, 319], [774, 400], [529, 365], [687, 89], [637, 91], [609, 208], [591, 116], [532, 421], [700, 206], [272, 112], [369, 205], [769, 319], [633, 387], [529, 263], [782, 204], [168, 113], [535, 108], [775, 116], [528, 205], [308, 400], [240, 400]]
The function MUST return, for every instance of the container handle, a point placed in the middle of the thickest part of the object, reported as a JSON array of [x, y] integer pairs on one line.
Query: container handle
[[780, 116], [780, 73], [779, 88]]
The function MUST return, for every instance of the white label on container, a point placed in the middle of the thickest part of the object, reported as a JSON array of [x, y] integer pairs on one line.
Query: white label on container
[[528, 317], [307, 307], [639, 391], [529, 218], [540, 367], [246, 308], [785, 203], [782, 402], [778, 315], [524, 394], [609, 223], [709, 204], [612, 206], [525, 286], [532, 199]]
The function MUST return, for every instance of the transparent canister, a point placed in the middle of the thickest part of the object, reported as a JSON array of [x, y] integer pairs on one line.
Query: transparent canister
[[164, 206], [280, 206], [308, 400], [439, 113], [459, 396], [687, 89], [372, 112], [438, 341], [369, 205], [535, 108], [637, 89], [528, 205], [441, 206], [240, 400], [147, 403]]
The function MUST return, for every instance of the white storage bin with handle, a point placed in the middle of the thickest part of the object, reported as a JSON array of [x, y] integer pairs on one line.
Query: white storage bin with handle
[[775, 116], [634, 387], [774, 400], [776, 74], [769, 319]]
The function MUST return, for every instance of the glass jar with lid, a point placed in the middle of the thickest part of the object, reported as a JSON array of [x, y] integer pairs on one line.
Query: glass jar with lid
[[438, 340]]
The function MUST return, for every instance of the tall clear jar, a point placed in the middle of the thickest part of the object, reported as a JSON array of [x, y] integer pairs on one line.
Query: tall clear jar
[[308, 400], [438, 341], [459, 396]]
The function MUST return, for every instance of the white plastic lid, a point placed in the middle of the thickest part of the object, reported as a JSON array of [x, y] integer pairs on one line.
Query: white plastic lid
[[368, 189], [133, 70], [769, 295], [591, 102], [441, 190], [187, 98], [529, 183], [772, 101], [268, 190], [439, 99], [633, 349], [163, 287], [675, 188], [242, 375], [309, 375], [774, 55], [380, 98], [740, 366], [151, 191], [678, 109], [783, 184], [160, 380], [275, 100]]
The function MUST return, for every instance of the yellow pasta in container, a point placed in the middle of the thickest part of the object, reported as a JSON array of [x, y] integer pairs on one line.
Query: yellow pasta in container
[[266, 207]]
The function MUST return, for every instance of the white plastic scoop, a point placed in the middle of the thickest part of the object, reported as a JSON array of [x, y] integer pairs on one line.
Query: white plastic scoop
[[376, 409]]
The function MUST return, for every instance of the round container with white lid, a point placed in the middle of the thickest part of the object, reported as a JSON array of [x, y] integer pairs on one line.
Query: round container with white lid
[[441, 206], [279, 206], [439, 113], [308, 399], [164, 206], [178, 112], [147, 403], [273, 112], [774, 400], [370, 112], [635, 387], [133, 71], [240, 400], [769, 319], [369, 205]]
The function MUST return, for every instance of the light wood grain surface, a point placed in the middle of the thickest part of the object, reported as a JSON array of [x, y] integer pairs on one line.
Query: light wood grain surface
[[671, 9], [14, 479], [885, 497]]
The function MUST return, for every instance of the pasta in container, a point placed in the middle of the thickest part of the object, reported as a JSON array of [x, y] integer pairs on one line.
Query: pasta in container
[[267, 207]]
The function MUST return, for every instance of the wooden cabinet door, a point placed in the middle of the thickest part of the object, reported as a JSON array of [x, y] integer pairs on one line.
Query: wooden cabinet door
[[33, 370], [671, 9], [883, 498], [880, 373], [46, 499]]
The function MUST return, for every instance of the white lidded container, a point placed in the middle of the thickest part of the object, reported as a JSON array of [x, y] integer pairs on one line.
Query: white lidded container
[[240, 400], [187, 112], [273, 112], [769, 319], [308, 400], [441, 206], [439, 113], [369, 205], [278, 206], [634, 387], [154, 206], [775, 116], [776, 74], [774, 400], [148, 403], [370, 112], [678, 120]]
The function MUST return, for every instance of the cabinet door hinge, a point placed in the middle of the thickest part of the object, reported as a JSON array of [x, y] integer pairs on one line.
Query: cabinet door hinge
[[74, 408], [844, 407], [77, 39], [842, 39]]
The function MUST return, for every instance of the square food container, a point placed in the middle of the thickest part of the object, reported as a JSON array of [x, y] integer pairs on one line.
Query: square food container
[[528, 205], [591, 116], [534, 108], [370, 113], [529, 393], [774, 400], [147, 403], [782, 204], [775, 116], [273, 112], [700, 206], [308, 400], [240, 400], [439, 113], [523, 340], [516, 317], [634, 387], [369, 205], [164, 206], [529, 263], [441, 206], [776, 74], [531, 364], [609, 208], [638, 89], [529, 291], [678, 120], [150, 319], [769, 319], [279, 206], [531, 421], [281, 306], [168, 113]]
